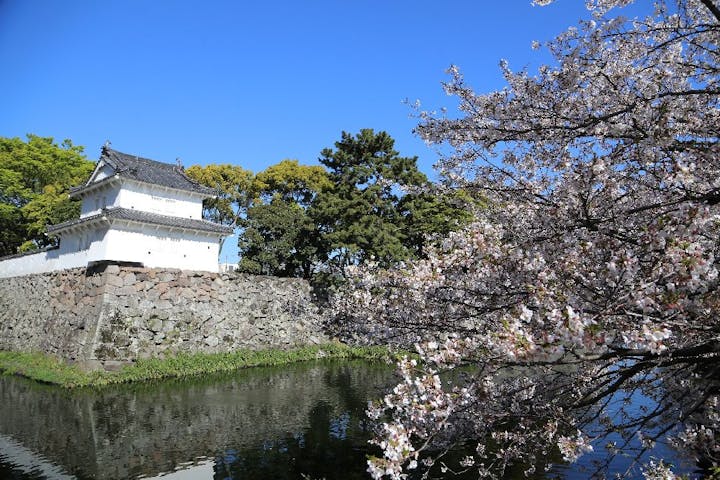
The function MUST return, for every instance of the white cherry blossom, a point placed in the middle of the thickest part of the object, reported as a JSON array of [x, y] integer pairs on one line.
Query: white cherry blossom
[[590, 272]]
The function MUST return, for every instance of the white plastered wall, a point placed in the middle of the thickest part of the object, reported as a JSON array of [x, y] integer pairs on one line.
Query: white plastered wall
[[27, 264], [76, 250], [153, 247], [98, 199], [162, 248], [103, 171], [174, 203]]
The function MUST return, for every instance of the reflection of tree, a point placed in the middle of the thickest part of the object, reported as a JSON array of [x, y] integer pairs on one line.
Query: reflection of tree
[[283, 421], [630, 410], [333, 445]]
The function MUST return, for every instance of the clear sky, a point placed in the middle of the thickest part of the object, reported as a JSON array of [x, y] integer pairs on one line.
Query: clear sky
[[250, 83]]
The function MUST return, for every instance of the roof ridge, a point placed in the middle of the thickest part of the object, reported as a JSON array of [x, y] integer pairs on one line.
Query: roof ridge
[[121, 156], [151, 171]]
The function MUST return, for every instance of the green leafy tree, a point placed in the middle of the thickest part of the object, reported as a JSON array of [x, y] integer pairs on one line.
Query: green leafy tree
[[293, 182], [279, 237], [233, 186], [35, 176], [432, 213], [12, 229], [365, 214]]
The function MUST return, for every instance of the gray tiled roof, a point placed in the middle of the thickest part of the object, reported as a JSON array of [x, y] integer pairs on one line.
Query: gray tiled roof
[[145, 217], [150, 171]]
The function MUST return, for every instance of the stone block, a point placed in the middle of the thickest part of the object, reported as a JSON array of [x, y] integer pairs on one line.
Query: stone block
[[114, 280], [89, 365], [169, 295], [155, 325], [166, 277], [163, 305], [151, 295], [131, 312], [126, 290], [146, 304], [112, 269], [129, 278], [122, 339]]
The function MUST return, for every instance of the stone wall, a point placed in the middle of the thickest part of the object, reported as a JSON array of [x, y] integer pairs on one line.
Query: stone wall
[[115, 314]]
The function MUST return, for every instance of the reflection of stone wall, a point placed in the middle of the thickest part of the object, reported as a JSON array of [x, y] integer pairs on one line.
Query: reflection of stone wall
[[147, 429], [125, 313]]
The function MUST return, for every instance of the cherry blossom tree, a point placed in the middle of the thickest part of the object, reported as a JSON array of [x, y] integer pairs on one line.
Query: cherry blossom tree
[[590, 278]]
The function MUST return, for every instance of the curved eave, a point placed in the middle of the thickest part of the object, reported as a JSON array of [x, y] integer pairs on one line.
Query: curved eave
[[168, 228], [77, 226], [124, 216], [91, 223], [105, 182]]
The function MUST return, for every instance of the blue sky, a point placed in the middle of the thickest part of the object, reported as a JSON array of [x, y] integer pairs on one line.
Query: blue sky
[[250, 83]]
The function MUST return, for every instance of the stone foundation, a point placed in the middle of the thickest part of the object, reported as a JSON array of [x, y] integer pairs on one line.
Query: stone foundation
[[111, 314]]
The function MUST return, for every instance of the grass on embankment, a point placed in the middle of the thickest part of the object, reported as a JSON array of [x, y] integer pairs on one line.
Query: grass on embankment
[[48, 369]]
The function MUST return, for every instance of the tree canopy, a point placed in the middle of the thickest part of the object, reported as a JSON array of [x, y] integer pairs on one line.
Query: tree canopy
[[365, 213], [364, 201], [234, 187], [279, 237], [293, 182], [589, 281], [35, 176]]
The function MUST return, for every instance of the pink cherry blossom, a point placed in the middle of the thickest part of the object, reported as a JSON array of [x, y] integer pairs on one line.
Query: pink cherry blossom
[[590, 272]]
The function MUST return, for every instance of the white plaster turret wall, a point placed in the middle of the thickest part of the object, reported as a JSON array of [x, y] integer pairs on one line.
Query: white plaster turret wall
[[162, 248], [96, 200], [135, 196], [172, 203]]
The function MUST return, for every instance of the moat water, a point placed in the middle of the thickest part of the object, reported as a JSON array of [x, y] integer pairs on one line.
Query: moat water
[[300, 421]]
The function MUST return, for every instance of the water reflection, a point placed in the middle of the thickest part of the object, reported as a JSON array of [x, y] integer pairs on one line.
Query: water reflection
[[279, 423], [259, 423]]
